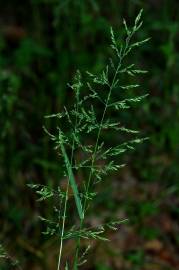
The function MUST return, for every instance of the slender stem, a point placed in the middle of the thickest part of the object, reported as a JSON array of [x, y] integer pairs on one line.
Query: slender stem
[[99, 132], [103, 116], [63, 227], [66, 197], [93, 161]]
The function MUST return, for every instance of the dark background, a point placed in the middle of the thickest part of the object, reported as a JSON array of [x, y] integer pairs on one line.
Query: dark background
[[42, 43]]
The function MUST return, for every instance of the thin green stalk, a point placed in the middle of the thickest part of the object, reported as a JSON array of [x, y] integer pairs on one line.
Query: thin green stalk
[[63, 227], [92, 163], [86, 120], [66, 199], [103, 116], [98, 135], [122, 53]]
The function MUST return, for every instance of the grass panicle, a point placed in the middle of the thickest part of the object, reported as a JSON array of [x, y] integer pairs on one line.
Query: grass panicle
[[81, 144]]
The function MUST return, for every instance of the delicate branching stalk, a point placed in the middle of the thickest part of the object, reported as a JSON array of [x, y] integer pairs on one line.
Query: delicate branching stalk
[[82, 124], [121, 55], [94, 157], [76, 88]]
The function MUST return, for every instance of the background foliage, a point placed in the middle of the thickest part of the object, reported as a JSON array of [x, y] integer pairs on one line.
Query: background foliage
[[42, 43]]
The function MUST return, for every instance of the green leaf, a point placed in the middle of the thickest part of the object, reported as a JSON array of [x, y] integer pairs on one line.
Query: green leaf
[[71, 178]]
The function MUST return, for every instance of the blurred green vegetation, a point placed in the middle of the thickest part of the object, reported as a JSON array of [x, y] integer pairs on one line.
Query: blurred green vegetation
[[42, 43]]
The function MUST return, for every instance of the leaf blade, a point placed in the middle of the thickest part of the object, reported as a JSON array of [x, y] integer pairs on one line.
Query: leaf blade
[[72, 180]]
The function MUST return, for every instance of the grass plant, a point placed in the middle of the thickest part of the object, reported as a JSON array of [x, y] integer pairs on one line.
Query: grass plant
[[80, 141]]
